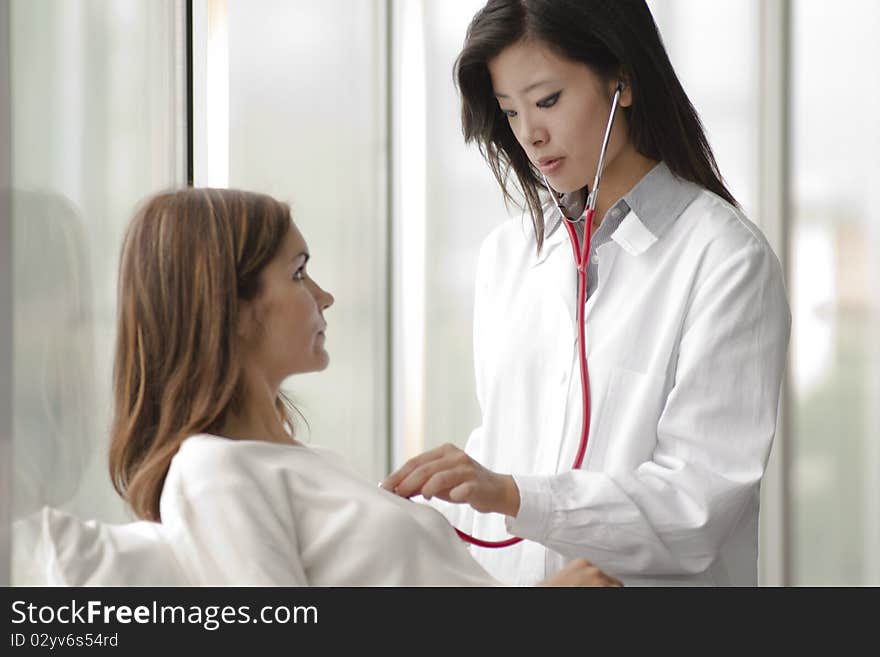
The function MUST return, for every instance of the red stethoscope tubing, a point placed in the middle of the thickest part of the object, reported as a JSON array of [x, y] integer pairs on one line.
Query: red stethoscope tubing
[[581, 259]]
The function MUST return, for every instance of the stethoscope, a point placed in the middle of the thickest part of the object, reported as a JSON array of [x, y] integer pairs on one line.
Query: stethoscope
[[581, 259]]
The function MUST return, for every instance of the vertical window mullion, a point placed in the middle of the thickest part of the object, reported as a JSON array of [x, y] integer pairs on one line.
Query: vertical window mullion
[[5, 302], [774, 211]]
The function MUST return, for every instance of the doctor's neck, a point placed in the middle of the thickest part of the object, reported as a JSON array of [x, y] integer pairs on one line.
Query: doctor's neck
[[621, 174]]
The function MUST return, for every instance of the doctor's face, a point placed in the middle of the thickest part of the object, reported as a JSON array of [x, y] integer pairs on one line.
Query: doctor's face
[[284, 326], [558, 109]]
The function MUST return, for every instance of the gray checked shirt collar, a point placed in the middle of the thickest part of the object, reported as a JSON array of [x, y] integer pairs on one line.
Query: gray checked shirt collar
[[657, 200]]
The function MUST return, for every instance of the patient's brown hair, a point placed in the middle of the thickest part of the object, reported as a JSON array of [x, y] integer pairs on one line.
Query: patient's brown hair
[[189, 258]]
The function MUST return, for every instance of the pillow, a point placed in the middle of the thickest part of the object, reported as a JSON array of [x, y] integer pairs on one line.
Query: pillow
[[71, 552]]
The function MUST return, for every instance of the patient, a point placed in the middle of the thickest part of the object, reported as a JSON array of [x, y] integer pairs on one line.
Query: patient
[[216, 309]]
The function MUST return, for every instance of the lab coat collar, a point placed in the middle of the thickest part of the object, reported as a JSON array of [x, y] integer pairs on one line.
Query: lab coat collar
[[554, 233]]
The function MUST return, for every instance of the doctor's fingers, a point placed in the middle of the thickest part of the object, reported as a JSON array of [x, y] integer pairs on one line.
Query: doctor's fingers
[[393, 480], [442, 483], [414, 482]]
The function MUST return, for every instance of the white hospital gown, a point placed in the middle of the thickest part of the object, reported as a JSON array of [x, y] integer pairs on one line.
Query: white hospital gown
[[252, 513]]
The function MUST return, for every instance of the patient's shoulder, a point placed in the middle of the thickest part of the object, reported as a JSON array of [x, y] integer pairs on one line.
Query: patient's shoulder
[[210, 458], [212, 474], [204, 452]]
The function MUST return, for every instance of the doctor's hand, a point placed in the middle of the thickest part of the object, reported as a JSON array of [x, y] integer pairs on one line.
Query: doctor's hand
[[450, 474]]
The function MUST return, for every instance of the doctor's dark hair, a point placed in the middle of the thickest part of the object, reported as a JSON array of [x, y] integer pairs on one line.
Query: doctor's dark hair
[[616, 39], [189, 259]]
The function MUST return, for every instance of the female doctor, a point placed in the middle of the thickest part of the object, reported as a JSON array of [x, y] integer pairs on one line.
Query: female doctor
[[685, 317]]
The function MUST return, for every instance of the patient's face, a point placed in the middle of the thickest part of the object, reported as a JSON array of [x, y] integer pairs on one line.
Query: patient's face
[[289, 315]]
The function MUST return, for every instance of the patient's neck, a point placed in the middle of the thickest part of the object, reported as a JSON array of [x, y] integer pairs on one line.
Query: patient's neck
[[257, 418]]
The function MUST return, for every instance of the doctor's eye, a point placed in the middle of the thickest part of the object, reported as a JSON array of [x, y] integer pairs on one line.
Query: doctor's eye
[[549, 101]]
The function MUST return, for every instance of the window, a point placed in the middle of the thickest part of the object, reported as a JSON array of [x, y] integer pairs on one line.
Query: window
[[307, 98], [835, 287], [447, 202], [97, 124]]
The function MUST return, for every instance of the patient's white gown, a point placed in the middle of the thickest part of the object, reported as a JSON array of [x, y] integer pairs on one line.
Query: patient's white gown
[[251, 513]]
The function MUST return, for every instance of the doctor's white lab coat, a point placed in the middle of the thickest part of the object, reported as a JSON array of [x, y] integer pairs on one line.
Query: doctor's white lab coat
[[687, 335]]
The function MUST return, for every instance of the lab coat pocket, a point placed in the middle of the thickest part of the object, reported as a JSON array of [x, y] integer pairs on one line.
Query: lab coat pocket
[[628, 416]]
